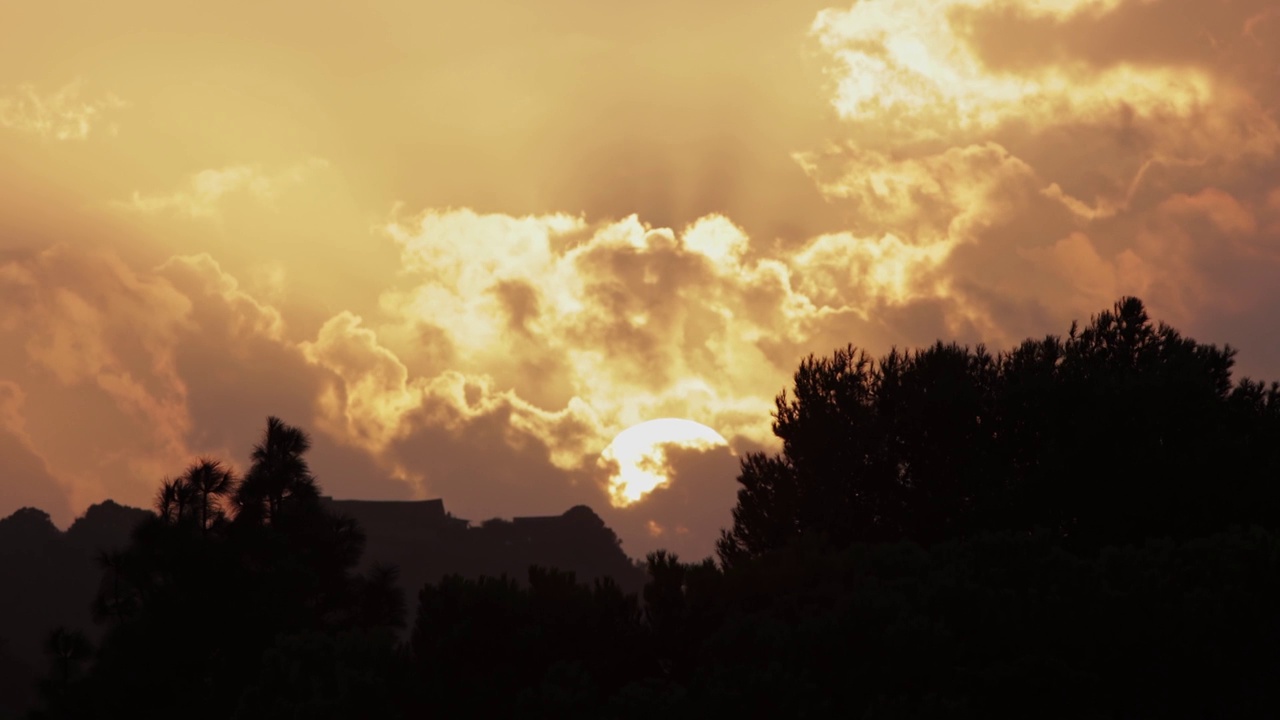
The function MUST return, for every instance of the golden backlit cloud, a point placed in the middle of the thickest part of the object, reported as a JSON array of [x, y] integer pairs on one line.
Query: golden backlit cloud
[[955, 146], [534, 229], [908, 67]]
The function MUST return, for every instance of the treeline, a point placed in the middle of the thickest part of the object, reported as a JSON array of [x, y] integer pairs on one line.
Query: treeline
[[1120, 432], [1078, 527], [52, 576], [999, 625]]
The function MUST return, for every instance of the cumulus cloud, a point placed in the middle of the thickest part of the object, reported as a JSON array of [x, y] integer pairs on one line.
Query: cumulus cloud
[[634, 321], [536, 339], [201, 274], [117, 377], [59, 115], [243, 364]]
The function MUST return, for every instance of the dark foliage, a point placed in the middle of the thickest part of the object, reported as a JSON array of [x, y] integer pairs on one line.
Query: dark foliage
[[488, 647], [1078, 528], [1122, 431], [999, 625], [17, 684], [220, 590]]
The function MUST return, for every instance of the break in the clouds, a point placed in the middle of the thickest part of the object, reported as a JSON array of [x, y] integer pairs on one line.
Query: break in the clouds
[[534, 232]]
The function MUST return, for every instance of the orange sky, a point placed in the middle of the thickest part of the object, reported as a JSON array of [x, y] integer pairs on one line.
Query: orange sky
[[466, 245]]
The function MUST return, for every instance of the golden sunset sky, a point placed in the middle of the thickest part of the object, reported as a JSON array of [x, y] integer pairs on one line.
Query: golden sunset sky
[[465, 244]]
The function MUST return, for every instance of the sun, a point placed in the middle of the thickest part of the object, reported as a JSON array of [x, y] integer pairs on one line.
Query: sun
[[641, 457]]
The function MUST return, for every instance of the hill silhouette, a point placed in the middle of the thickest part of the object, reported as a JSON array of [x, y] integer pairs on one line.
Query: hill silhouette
[[50, 578], [56, 574], [426, 543]]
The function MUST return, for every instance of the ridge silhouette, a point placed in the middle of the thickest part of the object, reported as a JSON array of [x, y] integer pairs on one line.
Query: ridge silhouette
[[417, 541]]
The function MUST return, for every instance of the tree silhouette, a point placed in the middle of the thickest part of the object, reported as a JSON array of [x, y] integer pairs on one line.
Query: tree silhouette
[[279, 477], [323, 676], [195, 603], [175, 500], [1112, 434], [210, 483], [490, 647]]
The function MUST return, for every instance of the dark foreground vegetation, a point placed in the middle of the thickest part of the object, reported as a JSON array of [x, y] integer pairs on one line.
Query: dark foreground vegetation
[[1081, 527], [50, 577]]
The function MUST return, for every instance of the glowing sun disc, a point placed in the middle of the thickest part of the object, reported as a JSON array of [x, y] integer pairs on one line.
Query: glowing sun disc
[[641, 456]]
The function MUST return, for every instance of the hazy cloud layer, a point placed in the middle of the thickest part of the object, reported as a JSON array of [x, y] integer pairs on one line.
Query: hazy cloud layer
[[62, 114], [206, 189], [533, 230]]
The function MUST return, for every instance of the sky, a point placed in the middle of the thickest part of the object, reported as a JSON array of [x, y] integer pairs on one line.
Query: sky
[[466, 244]]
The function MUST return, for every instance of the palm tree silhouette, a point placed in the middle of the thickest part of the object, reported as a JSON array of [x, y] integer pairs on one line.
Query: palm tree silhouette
[[209, 482], [175, 500], [279, 475]]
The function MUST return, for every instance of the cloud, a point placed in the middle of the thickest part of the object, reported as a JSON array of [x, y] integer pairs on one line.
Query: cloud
[[206, 190], [371, 402], [1030, 160], [632, 320], [86, 325], [59, 115], [117, 377], [243, 364], [916, 70], [26, 477], [512, 349], [246, 315], [371, 393]]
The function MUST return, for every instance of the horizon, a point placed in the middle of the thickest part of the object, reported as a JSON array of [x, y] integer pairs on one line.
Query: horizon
[[471, 523]]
